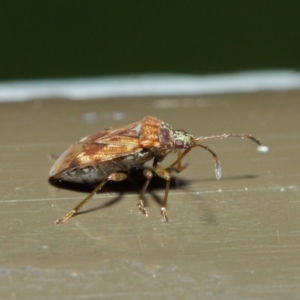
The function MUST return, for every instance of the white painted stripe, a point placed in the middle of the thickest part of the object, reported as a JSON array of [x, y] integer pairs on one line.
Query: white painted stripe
[[149, 85]]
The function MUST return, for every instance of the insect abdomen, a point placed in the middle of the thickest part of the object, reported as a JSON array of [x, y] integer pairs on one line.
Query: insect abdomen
[[98, 172]]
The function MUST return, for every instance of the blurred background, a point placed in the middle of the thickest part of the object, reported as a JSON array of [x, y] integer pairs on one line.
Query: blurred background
[[69, 39], [210, 67]]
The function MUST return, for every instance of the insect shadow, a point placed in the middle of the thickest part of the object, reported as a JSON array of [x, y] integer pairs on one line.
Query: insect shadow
[[133, 184], [228, 178]]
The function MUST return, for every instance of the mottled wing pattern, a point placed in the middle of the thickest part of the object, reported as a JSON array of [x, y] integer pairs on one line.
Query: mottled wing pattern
[[109, 144]]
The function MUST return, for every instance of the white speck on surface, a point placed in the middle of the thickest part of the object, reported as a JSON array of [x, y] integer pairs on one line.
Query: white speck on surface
[[166, 103], [89, 117], [262, 148], [282, 189], [118, 116]]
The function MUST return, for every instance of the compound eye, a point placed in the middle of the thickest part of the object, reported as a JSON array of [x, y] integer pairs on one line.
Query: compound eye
[[179, 144]]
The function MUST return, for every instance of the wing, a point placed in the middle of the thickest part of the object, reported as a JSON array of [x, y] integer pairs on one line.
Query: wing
[[108, 149], [110, 144], [99, 147]]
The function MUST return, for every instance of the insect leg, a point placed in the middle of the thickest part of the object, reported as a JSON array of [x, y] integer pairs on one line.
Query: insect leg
[[163, 173], [148, 174], [111, 177], [177, 162]]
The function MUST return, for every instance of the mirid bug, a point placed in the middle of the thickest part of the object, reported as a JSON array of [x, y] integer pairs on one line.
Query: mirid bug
[[111, 155]]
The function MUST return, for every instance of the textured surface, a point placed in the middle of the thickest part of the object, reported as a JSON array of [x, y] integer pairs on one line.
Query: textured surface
[[237, 238]]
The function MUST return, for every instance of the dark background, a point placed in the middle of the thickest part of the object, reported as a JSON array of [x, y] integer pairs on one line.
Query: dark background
[[56, 39]]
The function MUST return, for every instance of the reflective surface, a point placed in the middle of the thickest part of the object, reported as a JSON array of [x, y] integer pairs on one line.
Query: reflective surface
[[236, 238]]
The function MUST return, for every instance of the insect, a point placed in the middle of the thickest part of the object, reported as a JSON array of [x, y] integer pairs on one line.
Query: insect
[[112, 154]]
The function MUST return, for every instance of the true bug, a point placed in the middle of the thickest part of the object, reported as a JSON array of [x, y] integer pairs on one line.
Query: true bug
[[110, 155]]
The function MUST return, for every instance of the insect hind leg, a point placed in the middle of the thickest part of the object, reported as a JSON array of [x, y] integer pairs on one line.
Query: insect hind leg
[[111, 177]]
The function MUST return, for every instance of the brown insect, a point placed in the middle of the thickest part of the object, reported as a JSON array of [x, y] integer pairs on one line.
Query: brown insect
[[111, 155]]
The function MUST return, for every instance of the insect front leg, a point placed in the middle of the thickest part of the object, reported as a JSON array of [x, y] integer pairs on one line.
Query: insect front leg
[[179, 167], [148, 174], [163, 173], [111, 177]]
